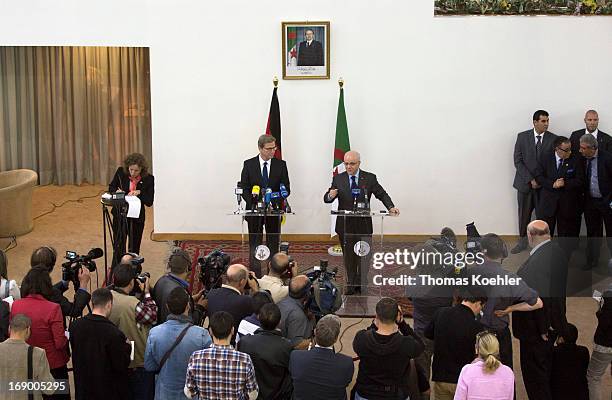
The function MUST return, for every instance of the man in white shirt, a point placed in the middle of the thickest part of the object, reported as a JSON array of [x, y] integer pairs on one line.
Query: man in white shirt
[[274, 282]]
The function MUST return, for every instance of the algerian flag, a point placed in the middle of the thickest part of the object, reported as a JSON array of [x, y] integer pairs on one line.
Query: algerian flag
[[341, 147], [292, 47]]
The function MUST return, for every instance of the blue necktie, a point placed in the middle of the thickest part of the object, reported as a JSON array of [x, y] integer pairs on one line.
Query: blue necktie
[[560, 165], [353, 182], [264, 175]]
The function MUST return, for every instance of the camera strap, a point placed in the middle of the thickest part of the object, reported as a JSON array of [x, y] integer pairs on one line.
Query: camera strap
[[30, 371], [178, 340]]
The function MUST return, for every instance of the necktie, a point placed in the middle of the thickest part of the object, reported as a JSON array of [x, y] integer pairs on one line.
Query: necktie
[[589, 169], [560, 165], [264, 175], [538, 144], [353, 182]]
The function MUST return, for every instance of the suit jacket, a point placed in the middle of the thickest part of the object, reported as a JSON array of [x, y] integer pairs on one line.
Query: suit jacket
[[13, 368], [604, 175], [100, 356], [525, 159], [310, 55], [561, 201], [367, 182], [251, 176], [4, 320], [121, 180], [604, 141], [546, 272], [568, 379], [320, 374]]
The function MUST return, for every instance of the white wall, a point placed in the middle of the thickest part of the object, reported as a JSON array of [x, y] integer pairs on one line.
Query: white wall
[[433, 104]]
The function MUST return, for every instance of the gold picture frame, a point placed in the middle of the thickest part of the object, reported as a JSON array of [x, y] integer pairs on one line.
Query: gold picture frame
[[306, 49]]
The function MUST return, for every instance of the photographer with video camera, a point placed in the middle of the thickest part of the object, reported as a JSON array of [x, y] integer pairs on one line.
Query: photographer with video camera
[[281, 268], [134, 317], [297, 322], [47, 256], [179, 268], [230, 297]]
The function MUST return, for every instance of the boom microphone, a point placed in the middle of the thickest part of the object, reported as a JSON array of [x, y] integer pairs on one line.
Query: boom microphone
[[95, 253]]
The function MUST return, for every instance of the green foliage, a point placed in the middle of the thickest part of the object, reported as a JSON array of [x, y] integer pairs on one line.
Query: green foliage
[[523, 7]]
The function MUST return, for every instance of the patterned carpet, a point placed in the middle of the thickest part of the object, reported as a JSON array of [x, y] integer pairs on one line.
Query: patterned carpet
[[307, 255]]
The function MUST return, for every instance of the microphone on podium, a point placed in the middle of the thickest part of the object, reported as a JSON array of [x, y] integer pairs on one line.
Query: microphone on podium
[[268, 197], [355, 192], [255, 194], [275, 199], [284, 194]]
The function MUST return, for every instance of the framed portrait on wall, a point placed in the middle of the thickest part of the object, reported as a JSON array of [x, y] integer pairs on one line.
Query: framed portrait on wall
[[305, 50]]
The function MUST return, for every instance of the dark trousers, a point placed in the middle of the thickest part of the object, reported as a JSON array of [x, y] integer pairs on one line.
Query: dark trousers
[[256, 228], [504, 337], [59, 373], [356, 266], [568, 230], [536, 366], [527, 202], [142, 384], [597, 214]]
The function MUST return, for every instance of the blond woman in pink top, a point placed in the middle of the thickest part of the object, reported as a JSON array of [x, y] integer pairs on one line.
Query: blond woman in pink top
[[486, 378]]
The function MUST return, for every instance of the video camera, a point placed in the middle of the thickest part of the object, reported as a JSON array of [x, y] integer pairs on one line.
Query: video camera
[[70, 269], [325, 297], [212, 268], [284, 248], [472, 244]]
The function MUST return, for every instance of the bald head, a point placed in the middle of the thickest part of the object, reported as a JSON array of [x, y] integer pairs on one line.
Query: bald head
[[591, 120], [235, 274], [352, 160], [537, 232], [297, 285], [279, 263]]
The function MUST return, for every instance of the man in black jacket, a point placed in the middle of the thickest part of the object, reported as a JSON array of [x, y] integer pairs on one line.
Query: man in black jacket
[[598, 193], [591, 122], [546, 272], [602, 346], [353, 189], [100, 353], [263, 171], [179, 265], [385, 351], [454, 331], [569, 368], [561, 176], [47, 256], [310, 51], [270, 354], [320, 373], [230, 297], [530, 146]]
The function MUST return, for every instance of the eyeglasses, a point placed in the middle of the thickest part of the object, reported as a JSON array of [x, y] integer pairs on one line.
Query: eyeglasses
[[564, 150], [351, 163]]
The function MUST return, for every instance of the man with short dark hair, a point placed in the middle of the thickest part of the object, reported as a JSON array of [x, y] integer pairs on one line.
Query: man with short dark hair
[[501, 299], [179, 267], [270, 354], [220, 372], [569, 368], [453, 330], [385, 350], [274, 281], [597, 196], [14, 360], [47, 256], [100, 353], [297, 323], [134, 317], [320, 373], [170, 345], [264, 171], [230, 296], [528, 150], [251, 323]]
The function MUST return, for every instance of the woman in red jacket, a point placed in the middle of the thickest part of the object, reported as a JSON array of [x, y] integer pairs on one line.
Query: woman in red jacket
[[47, 322]]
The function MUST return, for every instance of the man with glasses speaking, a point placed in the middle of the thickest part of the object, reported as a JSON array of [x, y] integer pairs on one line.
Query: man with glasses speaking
[[561, 176], [353, 189], [260, 173]]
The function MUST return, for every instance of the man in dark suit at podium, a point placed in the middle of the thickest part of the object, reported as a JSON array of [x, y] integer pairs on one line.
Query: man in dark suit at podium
[[354, 188], [264, 171], [310, 51]]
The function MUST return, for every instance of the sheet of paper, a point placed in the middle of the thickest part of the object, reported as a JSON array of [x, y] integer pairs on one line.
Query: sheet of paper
[[134, 206]]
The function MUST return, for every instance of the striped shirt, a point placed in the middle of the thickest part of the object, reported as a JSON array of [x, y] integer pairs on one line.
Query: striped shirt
[[220, 372]]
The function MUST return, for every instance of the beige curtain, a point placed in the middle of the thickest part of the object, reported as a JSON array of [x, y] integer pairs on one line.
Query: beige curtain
[[73, 113]]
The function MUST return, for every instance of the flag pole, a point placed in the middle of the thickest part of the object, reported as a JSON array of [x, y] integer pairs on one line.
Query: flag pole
[[341, 82], [275, 81]]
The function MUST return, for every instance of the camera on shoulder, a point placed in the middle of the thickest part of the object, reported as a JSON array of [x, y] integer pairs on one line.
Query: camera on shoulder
[[71, 268]]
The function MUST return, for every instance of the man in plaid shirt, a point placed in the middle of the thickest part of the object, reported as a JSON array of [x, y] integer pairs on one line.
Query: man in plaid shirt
[[220, 372]]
